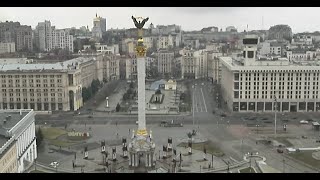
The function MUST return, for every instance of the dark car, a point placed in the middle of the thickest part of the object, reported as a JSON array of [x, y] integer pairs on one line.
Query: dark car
[[268, 122], [265, 118], [90, 117], [280, 150], [252, 118], [309, 120], [213, 111], [223, 115]]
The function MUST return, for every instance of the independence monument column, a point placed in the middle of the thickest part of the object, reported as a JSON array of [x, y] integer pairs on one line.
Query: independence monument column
[[141, 70]]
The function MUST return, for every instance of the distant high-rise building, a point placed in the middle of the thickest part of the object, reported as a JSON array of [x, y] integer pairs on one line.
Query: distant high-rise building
[[48, 38], [7, 31], [99, 27], [13, 32], [24, 38], [44, 36]]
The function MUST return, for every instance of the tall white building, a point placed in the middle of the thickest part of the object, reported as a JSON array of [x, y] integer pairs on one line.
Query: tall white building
[[44, 36], [252, 83], [48, 37]]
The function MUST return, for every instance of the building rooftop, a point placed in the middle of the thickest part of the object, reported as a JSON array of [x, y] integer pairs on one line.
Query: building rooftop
[[3, 140], [9, 119], [70, 64], [267, 64], [12, 122]]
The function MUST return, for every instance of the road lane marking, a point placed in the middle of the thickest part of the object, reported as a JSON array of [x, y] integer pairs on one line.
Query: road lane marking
[[204, 101]]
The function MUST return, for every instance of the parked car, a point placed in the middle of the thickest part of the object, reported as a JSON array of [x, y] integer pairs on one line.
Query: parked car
[[89, 116], [265, 118], [279, 150], [223, 115], [252, 118], [304, 122], [309, 120]]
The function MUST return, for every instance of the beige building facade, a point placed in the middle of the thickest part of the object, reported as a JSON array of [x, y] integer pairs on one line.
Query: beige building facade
[[50, 87], [8, 157], [7, 47]]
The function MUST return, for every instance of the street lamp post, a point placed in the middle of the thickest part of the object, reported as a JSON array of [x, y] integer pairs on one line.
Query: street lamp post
[[275, 115], [193, 104]]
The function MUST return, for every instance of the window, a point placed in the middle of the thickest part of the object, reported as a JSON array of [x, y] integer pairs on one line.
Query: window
[[250, 54]]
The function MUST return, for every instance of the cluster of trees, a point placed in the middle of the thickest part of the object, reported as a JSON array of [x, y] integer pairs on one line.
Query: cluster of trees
[[118, 107], [152, 72], [39, 136], [130, 94], [87, 93]]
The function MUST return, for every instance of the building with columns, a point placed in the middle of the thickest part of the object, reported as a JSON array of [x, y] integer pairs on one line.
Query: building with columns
[[252, 83], [165, 61], [19, 148]]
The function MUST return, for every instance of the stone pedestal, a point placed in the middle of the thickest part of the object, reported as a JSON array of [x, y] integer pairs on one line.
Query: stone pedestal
[[141, 145]]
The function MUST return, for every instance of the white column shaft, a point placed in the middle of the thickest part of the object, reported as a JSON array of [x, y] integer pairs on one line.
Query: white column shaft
[[141, 93]]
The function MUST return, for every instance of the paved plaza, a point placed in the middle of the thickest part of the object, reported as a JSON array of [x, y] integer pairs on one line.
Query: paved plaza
[[235, 134]]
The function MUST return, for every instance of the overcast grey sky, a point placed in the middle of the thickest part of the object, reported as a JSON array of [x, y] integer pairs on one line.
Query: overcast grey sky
[[190, 18]]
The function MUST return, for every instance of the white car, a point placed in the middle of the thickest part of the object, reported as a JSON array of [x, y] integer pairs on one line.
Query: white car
[[54, 164], [202, 84], [304, 122]]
